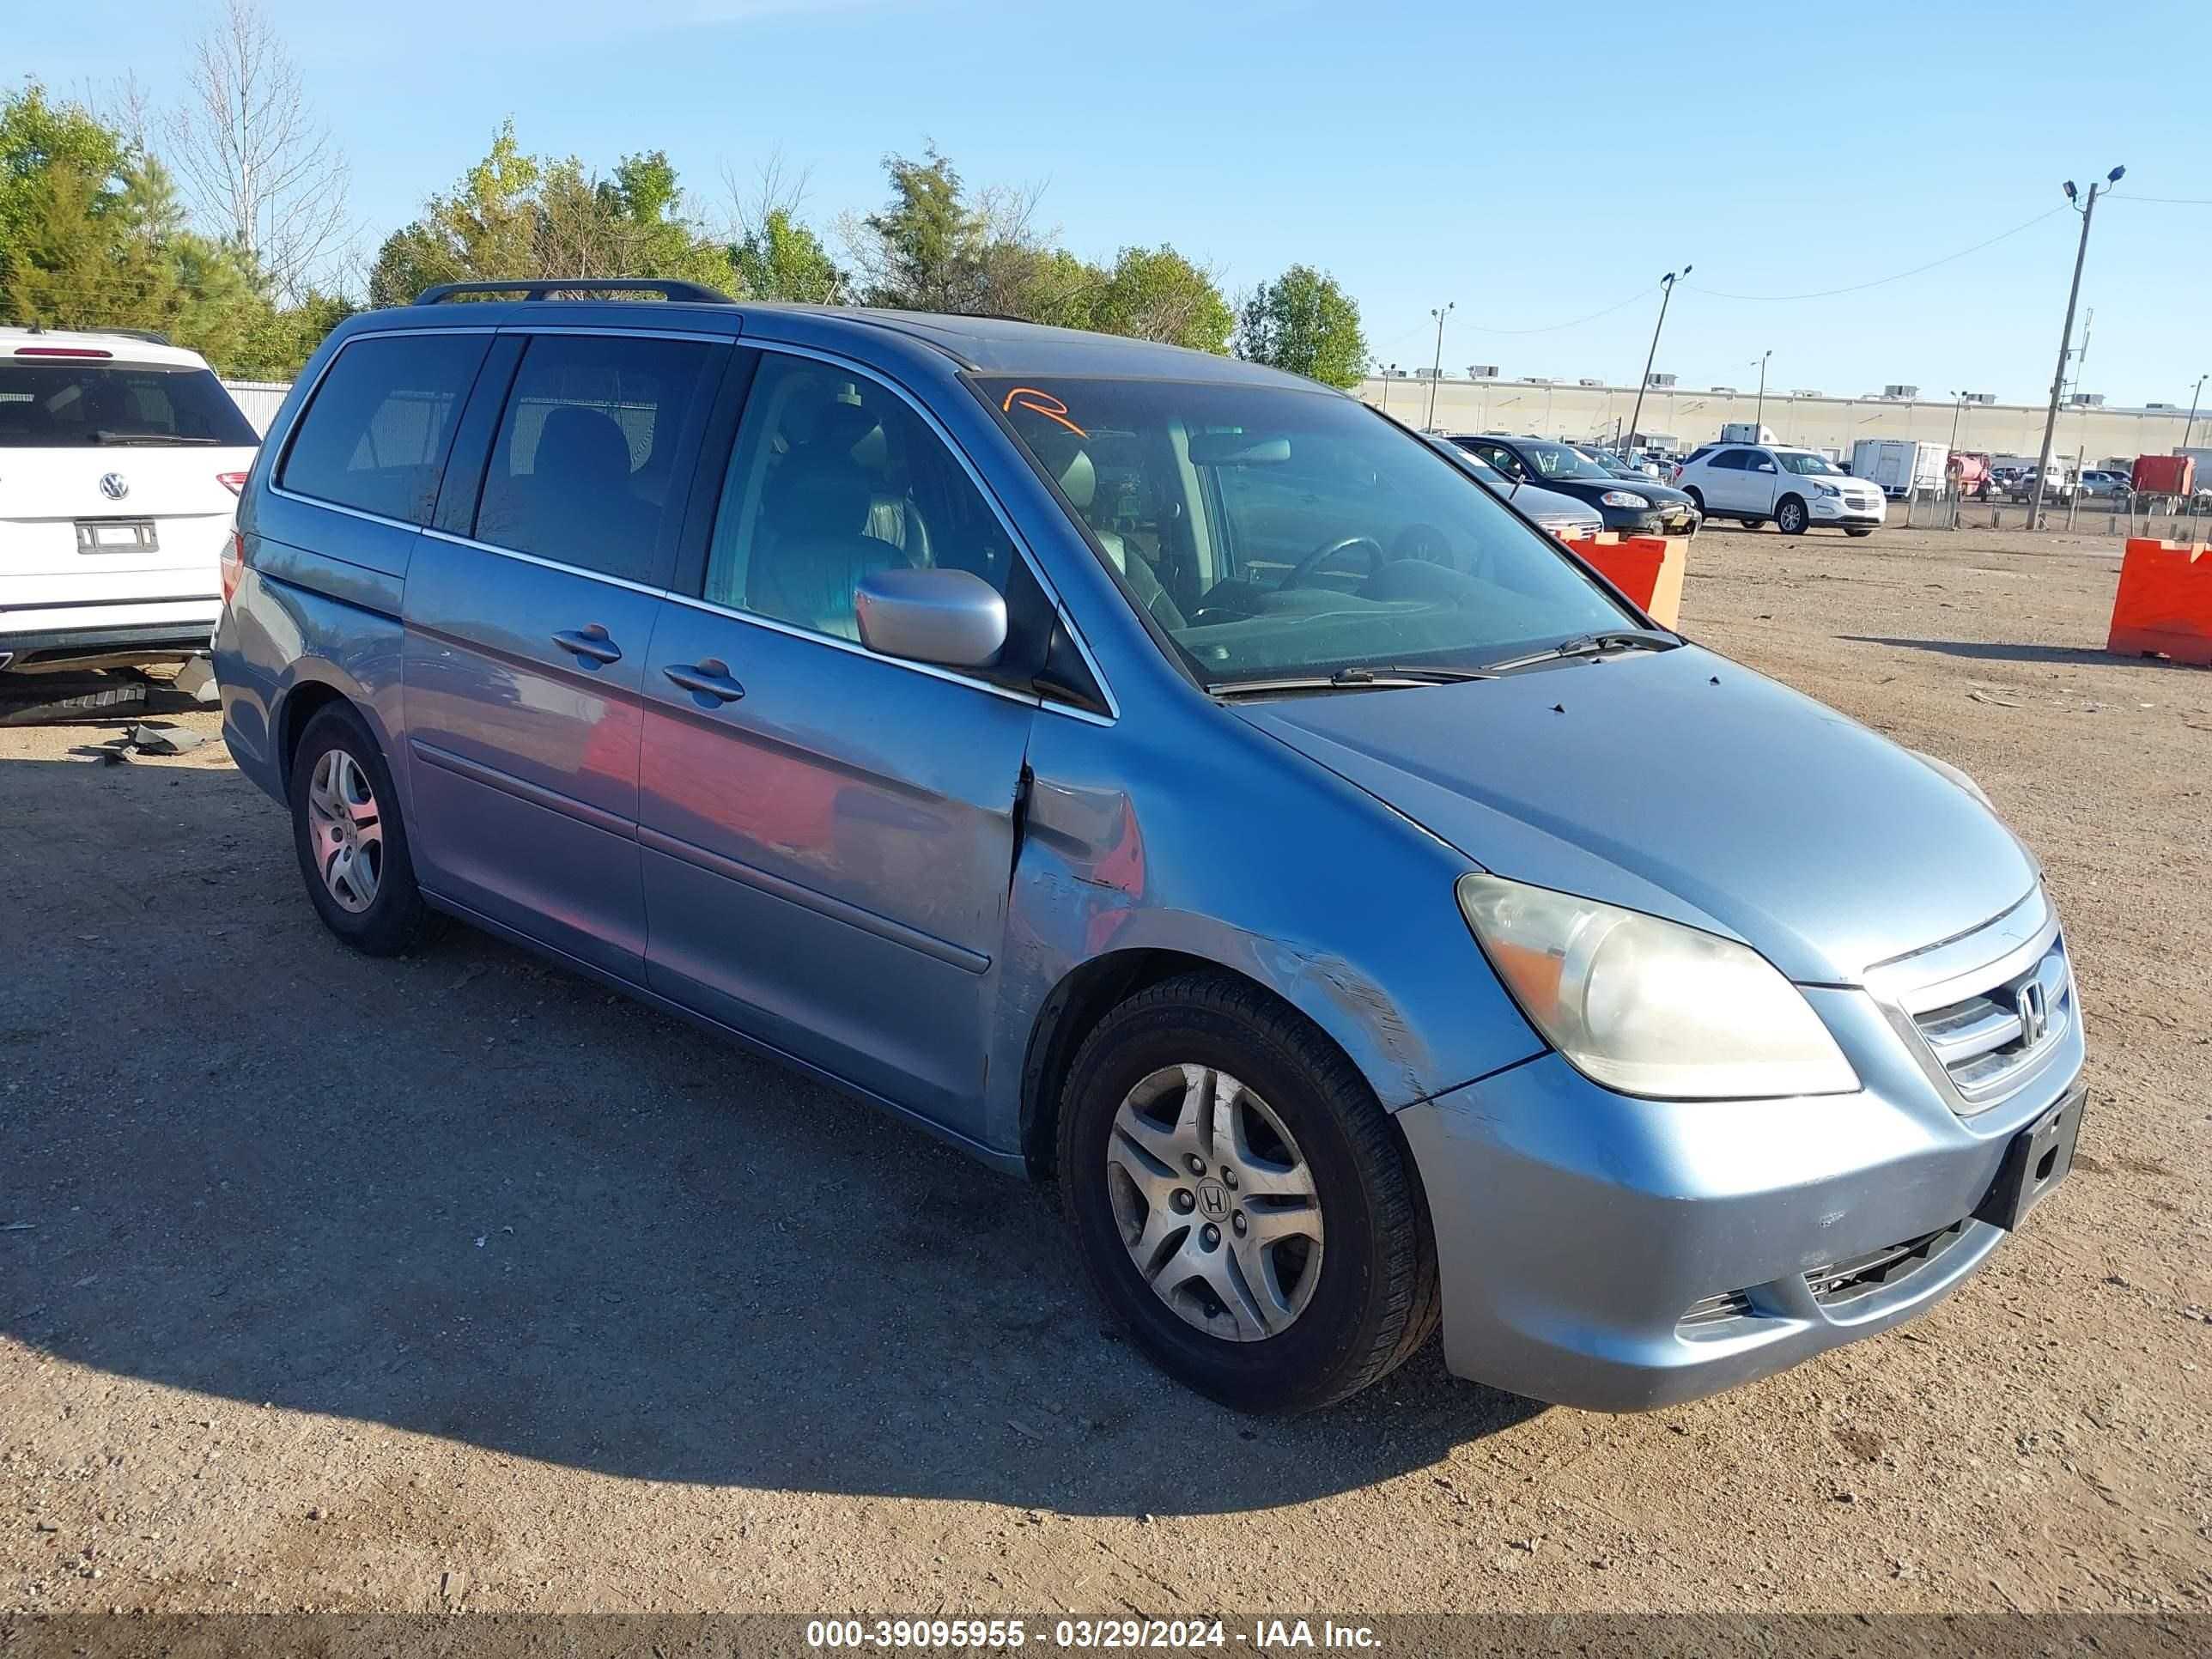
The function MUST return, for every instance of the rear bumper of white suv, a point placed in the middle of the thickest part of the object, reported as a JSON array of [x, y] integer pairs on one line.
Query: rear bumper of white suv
[[159, 626]]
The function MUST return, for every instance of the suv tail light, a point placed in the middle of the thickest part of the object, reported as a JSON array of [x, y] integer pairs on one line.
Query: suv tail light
[[234, 482], [61, 351], [232, 565]]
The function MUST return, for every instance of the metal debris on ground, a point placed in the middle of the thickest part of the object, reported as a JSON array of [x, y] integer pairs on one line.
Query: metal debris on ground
[[141, 740]]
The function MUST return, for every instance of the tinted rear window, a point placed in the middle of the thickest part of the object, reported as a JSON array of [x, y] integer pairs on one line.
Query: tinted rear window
[[376, 435], [69, 403]]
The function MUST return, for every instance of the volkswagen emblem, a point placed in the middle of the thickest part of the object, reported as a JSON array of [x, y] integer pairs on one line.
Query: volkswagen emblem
[[2033, 1006], [115, 486]]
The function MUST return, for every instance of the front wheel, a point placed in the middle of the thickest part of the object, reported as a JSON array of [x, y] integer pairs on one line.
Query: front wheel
[[1790, 516], [1242, 1201]]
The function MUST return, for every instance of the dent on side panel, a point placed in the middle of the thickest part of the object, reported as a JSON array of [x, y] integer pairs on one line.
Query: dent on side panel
[[1282, 874]]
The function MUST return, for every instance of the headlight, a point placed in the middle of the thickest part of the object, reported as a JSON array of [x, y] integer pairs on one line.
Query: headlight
[[1623, 498], [1826, 489], [1651, 1007]]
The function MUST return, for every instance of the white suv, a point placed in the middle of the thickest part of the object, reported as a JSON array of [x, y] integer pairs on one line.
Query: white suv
[[1795, 487], [121, 460]]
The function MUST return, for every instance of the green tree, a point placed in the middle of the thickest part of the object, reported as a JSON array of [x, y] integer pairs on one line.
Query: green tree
[[1156, 294], [517, 215], [1304, 323], [928, 240], [780, 258]]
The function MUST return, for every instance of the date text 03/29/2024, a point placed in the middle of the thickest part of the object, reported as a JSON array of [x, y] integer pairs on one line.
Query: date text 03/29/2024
[[1263, 1636]]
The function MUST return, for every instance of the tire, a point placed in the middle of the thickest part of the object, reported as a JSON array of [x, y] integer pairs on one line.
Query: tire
[[1790, 516], [1857, 533], [373, 905], [39, 699], [1698, 499], [1347, 1290]]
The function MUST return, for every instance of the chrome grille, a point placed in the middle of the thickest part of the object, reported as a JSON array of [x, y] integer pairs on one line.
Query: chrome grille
[[1981, 1041]]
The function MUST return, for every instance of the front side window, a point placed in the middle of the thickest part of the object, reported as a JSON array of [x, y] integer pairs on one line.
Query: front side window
[[375, 436], [85, 404], [834, 475], [588, 466], [1272, 532]]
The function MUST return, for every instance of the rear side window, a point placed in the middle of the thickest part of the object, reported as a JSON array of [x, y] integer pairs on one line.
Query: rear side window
[[376, 435], [594, 449], [1731, 460], [86, 403]]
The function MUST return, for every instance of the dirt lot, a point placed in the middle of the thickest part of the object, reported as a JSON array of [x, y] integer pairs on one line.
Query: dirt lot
[[337, 1284]]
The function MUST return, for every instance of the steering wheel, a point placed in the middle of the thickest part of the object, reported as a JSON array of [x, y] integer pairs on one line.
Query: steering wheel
[[1312, 562]]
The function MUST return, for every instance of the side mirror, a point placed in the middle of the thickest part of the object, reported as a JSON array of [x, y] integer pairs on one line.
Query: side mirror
[[953, 617], [1766, 466]]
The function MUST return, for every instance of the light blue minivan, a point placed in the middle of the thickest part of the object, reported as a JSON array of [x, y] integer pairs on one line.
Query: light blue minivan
[[1167, 777]]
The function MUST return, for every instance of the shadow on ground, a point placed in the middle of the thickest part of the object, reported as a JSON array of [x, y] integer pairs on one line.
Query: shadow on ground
[[2004, 650], [467, 1196]]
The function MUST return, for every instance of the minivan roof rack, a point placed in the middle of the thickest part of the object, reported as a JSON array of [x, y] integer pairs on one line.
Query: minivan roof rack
[[537, 288]]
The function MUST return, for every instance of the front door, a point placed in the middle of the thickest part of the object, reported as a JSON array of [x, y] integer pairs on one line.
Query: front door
[[829, 834], [530, 611]]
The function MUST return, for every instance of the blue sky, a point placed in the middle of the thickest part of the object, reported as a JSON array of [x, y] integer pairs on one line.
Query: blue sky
[[1533, 164]]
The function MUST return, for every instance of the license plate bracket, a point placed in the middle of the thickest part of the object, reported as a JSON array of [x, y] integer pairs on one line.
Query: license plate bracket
[[117, 536], [2037, 1160]]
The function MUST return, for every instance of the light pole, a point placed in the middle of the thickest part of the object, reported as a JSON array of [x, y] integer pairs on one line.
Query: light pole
[[1436, 369], [1666, 293], [1957, 408], [2088, 211], [1759, 410], [1383, 373], [2192, 425]]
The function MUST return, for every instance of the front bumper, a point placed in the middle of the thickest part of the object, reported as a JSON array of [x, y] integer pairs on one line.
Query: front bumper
[[1833, 510], [1672, 520], [1576, 1228]]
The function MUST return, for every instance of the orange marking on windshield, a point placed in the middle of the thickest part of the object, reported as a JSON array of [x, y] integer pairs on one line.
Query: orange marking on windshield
[[1044, 403]]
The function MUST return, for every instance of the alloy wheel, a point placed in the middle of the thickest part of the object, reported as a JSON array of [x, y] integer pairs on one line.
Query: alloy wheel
[[347, 830], [1216, 1205]]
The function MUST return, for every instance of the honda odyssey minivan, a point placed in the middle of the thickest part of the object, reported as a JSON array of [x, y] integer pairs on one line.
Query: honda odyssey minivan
[[1167, 777]]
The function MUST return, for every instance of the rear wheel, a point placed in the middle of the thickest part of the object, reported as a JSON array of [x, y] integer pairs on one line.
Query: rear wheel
[[351, 843], [1242, 1201], [1698, 497], [1790, 516]]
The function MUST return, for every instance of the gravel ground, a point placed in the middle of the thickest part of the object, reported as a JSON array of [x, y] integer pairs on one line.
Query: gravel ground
[[456, 1282]]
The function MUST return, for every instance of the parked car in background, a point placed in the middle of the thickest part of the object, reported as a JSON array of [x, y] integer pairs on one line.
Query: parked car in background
[[785, 669], [2058, 485], [1794, 489], [2100, 483], [1565, 516], [121, 458], [1634, 506]]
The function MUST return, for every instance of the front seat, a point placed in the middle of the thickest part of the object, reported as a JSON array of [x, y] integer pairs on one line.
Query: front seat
[[849, 432], [1078, 482], [814, 553]]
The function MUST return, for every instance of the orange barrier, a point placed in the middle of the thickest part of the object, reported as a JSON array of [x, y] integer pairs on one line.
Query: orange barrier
[[1647, 569], [2164, 607]]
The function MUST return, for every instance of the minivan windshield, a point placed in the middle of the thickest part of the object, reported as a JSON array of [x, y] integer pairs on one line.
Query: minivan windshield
[[1805, 461], [1272, 532], [85, 404]]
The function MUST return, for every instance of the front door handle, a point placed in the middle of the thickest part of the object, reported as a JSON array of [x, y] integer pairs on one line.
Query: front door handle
[[590, 642], [708, 678]]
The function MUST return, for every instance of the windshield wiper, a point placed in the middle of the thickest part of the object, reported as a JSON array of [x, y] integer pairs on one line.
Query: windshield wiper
[[1589, 644], [1359, 678], [102, 435]]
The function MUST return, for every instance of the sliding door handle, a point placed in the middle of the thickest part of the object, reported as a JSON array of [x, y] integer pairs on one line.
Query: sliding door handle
[[590, 642], [708, 678]]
